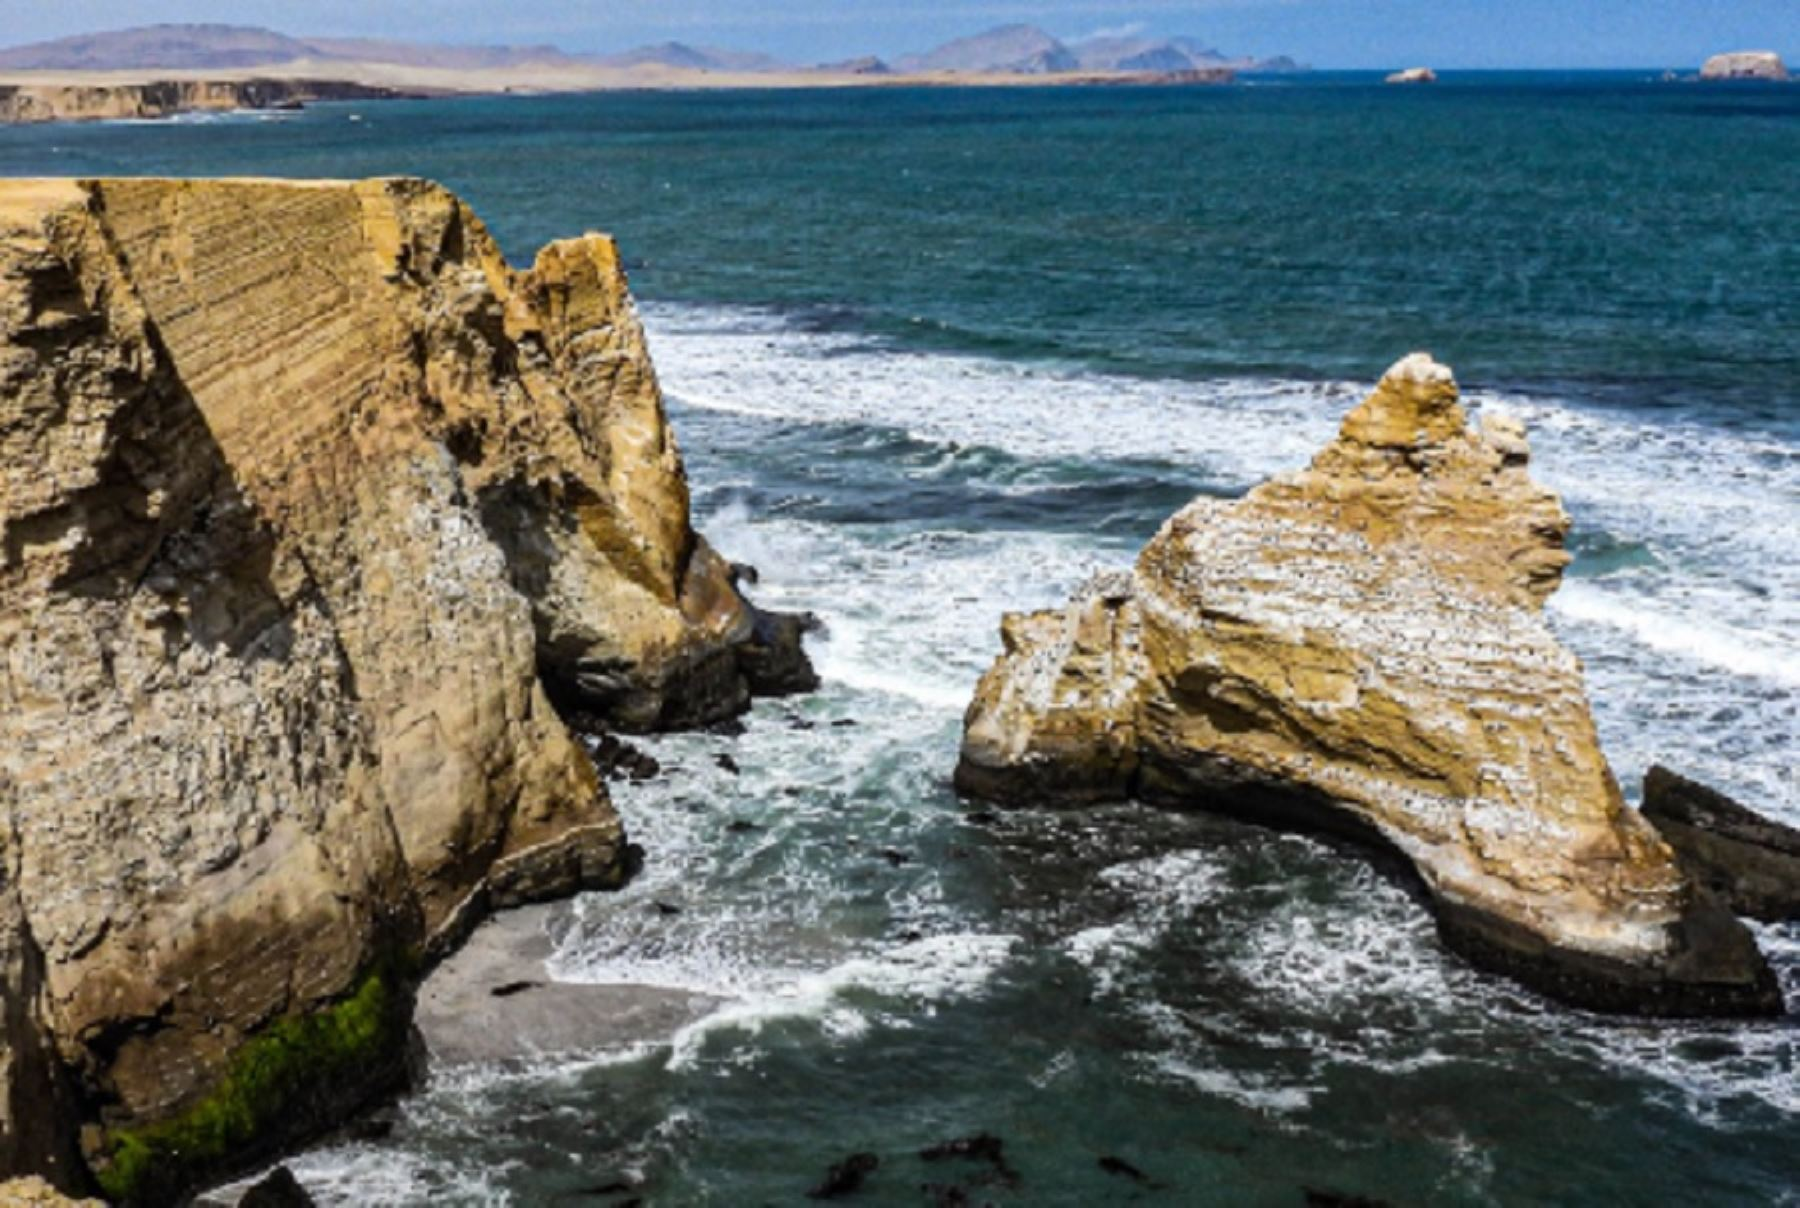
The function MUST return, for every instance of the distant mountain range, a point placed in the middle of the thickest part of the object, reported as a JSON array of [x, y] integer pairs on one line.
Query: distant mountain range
[[1028, 50], [1007, 50]]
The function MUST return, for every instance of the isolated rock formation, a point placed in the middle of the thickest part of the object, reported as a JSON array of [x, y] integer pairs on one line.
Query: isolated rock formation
[[1361, 647], [1414, 75], [309, 505], [1745, 65], [166, 98], [1751, 862]]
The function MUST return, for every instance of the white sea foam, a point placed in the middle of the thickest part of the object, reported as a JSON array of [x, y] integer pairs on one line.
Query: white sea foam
[[1693, 648], [915, 976]]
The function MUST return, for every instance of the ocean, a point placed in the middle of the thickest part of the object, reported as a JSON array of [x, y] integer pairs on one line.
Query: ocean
[[934, 355]]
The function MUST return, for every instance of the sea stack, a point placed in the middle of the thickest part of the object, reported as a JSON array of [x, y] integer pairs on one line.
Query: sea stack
[[313, 513], [1361, 648], [1745, 65], [1414, 75]]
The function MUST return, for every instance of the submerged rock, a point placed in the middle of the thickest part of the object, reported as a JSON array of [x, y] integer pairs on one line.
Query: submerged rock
[[1751, 862], [309, 503], [1745, 65], [1360, 648], [278, 1189], [846, 1177]]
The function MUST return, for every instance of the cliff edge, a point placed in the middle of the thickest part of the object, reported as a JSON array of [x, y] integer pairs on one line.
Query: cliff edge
[[310, 506], [1360, 648]]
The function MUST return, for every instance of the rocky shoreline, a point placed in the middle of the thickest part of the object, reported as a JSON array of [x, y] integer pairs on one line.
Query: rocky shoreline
[[28, 103], [336, 566]]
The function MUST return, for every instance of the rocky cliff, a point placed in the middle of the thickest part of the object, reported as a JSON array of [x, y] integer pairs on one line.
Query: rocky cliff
[[165, 98], [1361, 648], [310, 505], [1745, 65]]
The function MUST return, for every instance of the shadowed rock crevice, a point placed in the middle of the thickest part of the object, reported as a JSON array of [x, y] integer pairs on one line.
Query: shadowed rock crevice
[[1360, 648]]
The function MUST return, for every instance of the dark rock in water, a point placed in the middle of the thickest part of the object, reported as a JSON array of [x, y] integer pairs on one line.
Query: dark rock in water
[[981, 817], [796, 722], [278, 1189], [369, 1130], [1123, 1169], [728, 764], [1749, 861], [773, 661], [512, 988], [846, 1177], [743, 826], [666, 909], [844, 723], [1324, 1197], [981, 1147], [729, 727], [894, 856]]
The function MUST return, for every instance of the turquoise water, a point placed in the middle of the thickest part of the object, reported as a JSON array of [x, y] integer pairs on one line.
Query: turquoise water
[[935, 355]]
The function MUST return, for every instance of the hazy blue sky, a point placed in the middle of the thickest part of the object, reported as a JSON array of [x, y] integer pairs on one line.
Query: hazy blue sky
[[1349, 33]]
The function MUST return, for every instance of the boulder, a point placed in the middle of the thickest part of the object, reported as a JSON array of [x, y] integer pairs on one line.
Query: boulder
[[1361, 648], [1751, 862], [1745, 65], [310, 508]]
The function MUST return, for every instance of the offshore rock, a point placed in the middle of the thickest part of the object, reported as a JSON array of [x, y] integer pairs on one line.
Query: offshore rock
[[308, 505], [1745, 65], [1751, 862], [1361, 648]]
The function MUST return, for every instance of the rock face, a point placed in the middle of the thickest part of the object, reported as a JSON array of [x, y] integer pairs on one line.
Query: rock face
[[1414, 75], [1361, 648], [165, 98], [309, 506], [1745, 65], [1750, 862]]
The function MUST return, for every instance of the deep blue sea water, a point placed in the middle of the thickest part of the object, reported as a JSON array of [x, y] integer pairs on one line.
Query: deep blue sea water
[[937, 354]]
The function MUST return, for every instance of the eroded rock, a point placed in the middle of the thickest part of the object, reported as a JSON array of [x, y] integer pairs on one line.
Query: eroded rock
[[1751, 862], [1745, 65], [1360, 647], [309, 504]]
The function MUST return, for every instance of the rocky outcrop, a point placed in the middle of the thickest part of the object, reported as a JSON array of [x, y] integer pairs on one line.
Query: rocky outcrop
[[34, 1192], [310, 507], [1751, 862], [1361, 648], [1745, 65], [1414, 75], [166, 98]]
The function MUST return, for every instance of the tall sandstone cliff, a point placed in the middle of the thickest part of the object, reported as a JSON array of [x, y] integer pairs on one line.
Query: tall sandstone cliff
[[1361, 648], [309, 507]]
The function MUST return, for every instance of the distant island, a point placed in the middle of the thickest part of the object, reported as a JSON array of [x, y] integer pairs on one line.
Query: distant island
[[161, 70]]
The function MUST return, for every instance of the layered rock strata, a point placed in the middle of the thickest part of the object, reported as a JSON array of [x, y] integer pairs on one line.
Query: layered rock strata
[[1751, 862], [57, 102], [310, 505], [1360, 647]]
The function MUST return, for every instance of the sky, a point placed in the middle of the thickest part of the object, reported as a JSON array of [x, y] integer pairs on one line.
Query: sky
[[1325, 33]]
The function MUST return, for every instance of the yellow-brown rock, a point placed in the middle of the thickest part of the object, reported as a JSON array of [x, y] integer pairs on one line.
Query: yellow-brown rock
[[1360, 647], [309, 503], [88, 102]]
